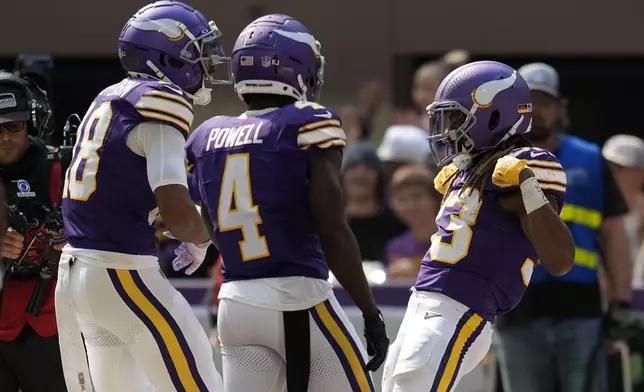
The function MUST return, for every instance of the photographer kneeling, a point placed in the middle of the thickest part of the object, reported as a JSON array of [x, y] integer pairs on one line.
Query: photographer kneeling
[[29, 353]]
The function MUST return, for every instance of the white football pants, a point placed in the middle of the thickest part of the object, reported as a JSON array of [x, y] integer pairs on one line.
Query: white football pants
[[255, 353], [139, 332], [439, 341]]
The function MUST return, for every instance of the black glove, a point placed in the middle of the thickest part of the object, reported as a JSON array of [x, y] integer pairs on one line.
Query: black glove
[[377, 340], [619, 322]]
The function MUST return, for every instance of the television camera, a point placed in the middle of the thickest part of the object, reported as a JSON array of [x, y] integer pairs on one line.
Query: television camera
[[39, 258]]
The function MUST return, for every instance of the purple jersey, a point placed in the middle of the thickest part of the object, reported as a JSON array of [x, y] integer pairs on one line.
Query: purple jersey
[[251, 172], [108, 204], [480, 255]]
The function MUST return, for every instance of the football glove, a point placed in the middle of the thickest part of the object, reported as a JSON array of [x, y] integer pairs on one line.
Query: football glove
[[444, 178], [377, 340], [620, 321], [190, 255], [507, 170]]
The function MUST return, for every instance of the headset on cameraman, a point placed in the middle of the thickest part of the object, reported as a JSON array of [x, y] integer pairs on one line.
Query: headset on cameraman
[[40, 114], [40, 111]]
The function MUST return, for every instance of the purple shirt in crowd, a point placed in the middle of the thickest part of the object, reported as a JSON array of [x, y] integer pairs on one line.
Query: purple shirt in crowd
[[407, 246]]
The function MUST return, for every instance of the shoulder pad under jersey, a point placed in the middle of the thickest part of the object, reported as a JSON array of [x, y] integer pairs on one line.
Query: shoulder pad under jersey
[[162, 101], [444, 178], [547, 169], [317, 126]]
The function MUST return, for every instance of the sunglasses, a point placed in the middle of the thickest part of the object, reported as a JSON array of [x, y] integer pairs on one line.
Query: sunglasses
[[13, 126]]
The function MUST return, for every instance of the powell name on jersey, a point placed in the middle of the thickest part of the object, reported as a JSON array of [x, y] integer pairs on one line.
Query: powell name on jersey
[[480, 255], [108, 204], [252, 172]]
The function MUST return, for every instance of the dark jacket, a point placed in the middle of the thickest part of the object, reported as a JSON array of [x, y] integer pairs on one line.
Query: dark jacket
[[35, 181]]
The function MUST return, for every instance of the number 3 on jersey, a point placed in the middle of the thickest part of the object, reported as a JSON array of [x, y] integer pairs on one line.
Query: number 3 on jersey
[[236, 210], [461, 209], [80, 181]]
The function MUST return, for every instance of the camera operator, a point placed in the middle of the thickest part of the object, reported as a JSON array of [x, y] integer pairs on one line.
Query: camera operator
[[32, 176]]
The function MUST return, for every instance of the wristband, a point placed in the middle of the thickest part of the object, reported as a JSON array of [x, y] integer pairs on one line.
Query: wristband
[[533, 197]]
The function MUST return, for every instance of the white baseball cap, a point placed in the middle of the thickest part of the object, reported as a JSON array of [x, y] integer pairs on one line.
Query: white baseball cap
[[624, 150], [404, 143]]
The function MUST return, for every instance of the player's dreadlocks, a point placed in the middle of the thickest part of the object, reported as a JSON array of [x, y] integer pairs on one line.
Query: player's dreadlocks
[[484, 163]]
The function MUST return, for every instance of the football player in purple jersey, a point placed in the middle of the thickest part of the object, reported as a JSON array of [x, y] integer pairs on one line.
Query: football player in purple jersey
[[270, 180], [128, 166], [499, 216]]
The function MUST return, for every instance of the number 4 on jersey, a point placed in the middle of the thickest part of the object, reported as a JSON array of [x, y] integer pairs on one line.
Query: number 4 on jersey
[[236, 210]]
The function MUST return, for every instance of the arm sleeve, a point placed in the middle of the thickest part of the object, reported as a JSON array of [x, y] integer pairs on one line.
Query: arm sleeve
[[614, 204], [162, 147]]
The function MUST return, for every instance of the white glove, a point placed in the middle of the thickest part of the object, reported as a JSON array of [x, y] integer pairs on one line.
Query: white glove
[[190, 255]]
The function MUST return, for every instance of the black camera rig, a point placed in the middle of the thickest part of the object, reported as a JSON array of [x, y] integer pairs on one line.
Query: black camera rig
[[39, 258], [65, 152]]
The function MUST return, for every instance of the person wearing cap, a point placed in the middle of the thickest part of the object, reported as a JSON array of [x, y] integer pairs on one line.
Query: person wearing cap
[[556, 336], [625, 153], [365, 189], [403, 145], [29, 351], [428, 77]]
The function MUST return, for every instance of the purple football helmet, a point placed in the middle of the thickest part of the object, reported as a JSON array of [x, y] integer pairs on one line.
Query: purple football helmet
[[173, 42], [477, 107], [276, 54]]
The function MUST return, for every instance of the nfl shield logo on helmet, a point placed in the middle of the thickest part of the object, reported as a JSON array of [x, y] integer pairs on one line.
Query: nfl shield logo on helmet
[[266, 61]]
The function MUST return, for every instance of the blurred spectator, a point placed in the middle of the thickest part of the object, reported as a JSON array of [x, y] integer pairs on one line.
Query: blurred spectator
[[351, 123], [371, 220], [625, 153], [403, 145], [416, 202], [555, 338], [429, 76], [357, 120], [370, 99]]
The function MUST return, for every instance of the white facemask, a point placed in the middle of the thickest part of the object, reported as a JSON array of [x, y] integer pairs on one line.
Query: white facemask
[[462, 161], [203, 96]]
